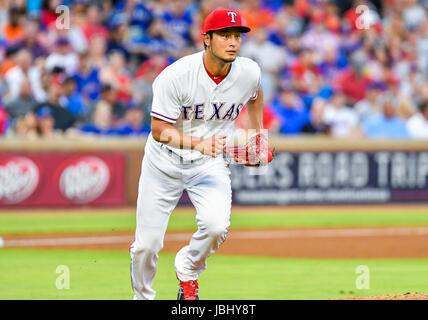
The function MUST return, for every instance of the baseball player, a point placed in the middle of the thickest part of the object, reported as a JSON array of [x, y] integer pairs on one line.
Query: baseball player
[[195, 103]]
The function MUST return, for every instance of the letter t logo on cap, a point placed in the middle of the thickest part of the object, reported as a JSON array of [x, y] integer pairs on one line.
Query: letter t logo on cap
[[233, 14]]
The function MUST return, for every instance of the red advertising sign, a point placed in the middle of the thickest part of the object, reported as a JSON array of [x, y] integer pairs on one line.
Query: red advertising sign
[[62, 179]]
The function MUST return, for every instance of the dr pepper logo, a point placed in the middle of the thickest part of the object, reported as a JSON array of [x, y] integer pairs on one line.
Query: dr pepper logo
[[19, 177], [84, 179]]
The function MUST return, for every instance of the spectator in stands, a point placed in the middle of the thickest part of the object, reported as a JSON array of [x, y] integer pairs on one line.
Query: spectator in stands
[[101, 120], [386, 125], [118, 108], [357, 23], [23, 103], [26, 126], [316, 123], [318, 38], [139, 13], [155, 40], [378, 60], [256, 15], [75, 34], [368, 106], [63, 57], [331, 16], [63, 117], [93, 25], [41, 95], [9, 60], [421, 92], [352, 80], [4, 121], [150, 68], [258, 47], [418, 123], [87, 80], [116, 75], [73, 100], [307, 43], [16, 75], [290, 110], [412, 84], [4, 16], [342, 119], [13, 31], [271, 121], [31, 39], [48, 14], [143, 78], [287, 23], [406, 107], [422, 44], [45, 123], [97, 52], [332, 63], [178, 21], [133, 123], [413, 14], [306, 75], [116, 39]]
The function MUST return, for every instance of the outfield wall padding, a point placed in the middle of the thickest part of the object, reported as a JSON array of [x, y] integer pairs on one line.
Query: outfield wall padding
[[306, 170]]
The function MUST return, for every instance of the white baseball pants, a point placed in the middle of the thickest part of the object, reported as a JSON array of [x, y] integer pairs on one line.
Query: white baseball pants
[[162, 182]]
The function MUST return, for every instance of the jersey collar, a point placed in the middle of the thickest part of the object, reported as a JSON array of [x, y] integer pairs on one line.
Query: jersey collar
[[229, 77]]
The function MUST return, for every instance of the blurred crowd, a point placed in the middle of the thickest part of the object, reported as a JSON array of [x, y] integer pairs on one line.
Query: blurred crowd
[[339, 68]]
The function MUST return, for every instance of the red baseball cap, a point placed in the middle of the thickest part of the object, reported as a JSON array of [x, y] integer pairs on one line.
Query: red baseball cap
[[224, 18]]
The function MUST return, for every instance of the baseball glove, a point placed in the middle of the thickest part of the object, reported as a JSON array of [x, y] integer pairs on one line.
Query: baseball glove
[[254, 154]]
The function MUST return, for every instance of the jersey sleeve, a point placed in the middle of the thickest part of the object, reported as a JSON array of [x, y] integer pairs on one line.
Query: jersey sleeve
[[255, 92], [166, 99]]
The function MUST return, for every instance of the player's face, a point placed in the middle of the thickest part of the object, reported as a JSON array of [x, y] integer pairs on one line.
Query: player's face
[[225, 44]]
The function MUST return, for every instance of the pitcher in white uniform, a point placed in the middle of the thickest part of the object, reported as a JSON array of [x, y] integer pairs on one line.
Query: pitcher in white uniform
[[196, 101]]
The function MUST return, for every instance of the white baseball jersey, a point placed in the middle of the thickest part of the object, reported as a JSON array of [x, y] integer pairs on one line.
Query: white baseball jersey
[[185, 95]]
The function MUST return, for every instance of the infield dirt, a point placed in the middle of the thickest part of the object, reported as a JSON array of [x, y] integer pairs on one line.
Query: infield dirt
[[405, 296], [411, 242]]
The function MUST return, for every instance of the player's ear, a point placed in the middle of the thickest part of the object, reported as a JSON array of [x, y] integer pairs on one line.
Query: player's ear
[[207, 40]]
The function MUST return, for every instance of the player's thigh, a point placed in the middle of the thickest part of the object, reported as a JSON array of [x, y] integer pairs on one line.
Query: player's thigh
[[211, 194], [158, 193]]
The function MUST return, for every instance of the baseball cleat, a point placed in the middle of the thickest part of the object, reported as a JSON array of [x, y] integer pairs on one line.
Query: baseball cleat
[[188, 290]]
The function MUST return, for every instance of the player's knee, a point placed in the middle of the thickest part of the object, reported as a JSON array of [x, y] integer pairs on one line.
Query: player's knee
[[217, 230], [149, 246], [145, 252]]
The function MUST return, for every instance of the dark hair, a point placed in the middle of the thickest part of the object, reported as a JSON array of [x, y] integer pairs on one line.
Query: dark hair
[[11, 51], [210, 33], [423, 106], [57, 70], [69, 79], [16, 10], [106, 87], [84, 54]]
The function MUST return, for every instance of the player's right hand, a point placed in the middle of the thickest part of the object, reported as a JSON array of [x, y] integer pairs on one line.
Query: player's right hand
[[212, 146]]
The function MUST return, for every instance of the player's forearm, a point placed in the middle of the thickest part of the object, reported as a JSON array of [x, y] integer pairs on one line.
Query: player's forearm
[[255, 112], [178, 139], [256, 122], [166, 133]]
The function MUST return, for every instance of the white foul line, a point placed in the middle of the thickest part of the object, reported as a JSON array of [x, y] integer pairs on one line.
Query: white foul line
[[258, 234], [67, 241]]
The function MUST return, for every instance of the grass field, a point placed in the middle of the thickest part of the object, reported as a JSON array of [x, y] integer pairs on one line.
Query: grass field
[[121, 220], [31, 273]]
